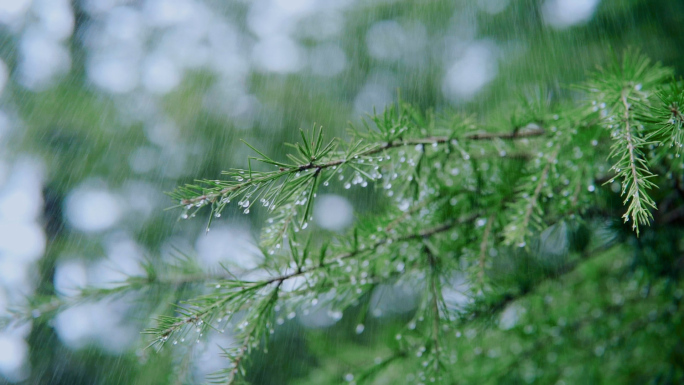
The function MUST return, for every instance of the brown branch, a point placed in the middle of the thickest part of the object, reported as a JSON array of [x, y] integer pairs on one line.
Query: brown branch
[[518, 134], [254, 286], [421, 234]]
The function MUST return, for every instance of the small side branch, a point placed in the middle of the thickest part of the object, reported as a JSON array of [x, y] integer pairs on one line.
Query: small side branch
[[212, 197], [532, 204], [635, 177], [419, 235]]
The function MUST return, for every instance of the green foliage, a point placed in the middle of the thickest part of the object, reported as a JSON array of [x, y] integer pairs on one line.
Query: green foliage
[[431, 168], [621, 91], [504, 207]]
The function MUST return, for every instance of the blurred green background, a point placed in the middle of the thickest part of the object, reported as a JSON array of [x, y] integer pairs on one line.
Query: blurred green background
[[106, 104]]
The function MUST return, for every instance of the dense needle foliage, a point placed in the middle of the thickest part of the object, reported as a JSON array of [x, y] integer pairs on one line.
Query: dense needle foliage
[[483, 217]]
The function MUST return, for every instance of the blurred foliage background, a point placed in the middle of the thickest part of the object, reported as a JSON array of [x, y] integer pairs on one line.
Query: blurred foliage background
[[106, 104]]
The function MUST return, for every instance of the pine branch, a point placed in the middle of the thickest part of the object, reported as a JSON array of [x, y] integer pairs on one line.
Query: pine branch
[[637, 175], [241, 294], [444, 178], [230, 375], [625, 87], [337, 259], [295, 184], [48, 306], [525, 209], [374, 149]]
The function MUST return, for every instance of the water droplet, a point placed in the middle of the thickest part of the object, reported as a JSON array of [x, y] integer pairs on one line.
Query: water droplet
[[347, 185], [349, 377], [360, 328], [335, 314]]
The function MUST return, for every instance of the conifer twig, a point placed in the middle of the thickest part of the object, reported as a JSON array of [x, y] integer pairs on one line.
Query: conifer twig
[[637, 176], [212, 197], [421, 234]]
